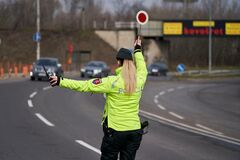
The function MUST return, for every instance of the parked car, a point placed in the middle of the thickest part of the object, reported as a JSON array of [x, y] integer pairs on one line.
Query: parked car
[[52, 66], [95, 69], [158, 68]]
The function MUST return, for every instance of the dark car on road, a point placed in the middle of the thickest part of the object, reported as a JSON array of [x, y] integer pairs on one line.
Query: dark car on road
[[158, 68], [52, 66], [95, 69]]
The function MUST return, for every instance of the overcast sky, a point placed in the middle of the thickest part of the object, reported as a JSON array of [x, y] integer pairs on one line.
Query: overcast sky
[[108, 4], [147, 3]]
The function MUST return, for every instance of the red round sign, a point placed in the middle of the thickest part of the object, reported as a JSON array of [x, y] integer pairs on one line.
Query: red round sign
[[142, 17]]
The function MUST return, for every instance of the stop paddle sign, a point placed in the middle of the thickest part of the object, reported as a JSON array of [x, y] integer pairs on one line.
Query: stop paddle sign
[[142, 17]]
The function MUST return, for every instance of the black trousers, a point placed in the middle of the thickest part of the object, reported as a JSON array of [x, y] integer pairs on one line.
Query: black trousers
[[125, 143]]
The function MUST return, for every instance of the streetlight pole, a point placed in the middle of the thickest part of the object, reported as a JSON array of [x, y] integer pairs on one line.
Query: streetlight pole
[[83, 18], [38, 28], [210, 37], [185, 6]]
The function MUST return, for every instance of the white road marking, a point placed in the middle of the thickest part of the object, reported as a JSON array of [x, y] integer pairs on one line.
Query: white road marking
[[155, 101], [209, 129], [188, 128], [171, 90], [88, 146], [161, 107], [156, 96], [162, 93], [33, 94], [176, 115], [180, 87], [47, 88], [30, 103], [44, 120]]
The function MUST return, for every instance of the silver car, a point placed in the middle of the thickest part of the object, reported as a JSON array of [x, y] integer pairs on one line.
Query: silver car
[[97, 69]]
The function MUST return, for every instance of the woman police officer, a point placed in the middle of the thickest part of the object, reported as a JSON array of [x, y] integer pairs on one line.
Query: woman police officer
[[121, 123]]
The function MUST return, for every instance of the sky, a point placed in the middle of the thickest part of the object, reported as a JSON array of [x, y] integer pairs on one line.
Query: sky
[[147, 3], [108, 4]]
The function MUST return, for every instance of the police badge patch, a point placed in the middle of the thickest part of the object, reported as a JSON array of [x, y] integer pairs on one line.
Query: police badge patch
[[97, 81]]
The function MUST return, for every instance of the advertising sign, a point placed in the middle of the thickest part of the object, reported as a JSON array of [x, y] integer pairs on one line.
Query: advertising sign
[[172, 28], [200, 28], [232, 28]]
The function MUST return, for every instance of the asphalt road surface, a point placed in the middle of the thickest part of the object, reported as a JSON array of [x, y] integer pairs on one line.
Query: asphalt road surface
[[189, 120]]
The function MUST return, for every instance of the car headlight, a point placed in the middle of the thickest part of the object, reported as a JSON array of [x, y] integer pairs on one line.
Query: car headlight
[[31, 73], [83, 69], [154, 70], [97, 71]]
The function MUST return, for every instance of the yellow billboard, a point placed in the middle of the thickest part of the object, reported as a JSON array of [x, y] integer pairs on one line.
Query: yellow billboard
[[232, 28], [203, 23], [172, 28]]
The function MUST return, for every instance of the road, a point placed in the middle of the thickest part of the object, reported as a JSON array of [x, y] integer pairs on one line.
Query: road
[[188, 120]]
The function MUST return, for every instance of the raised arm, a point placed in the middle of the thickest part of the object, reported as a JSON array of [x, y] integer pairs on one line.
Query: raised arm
[[140, 63], [97, 85]]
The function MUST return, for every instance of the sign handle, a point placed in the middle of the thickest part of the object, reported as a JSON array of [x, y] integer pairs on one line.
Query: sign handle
[[139, 32]]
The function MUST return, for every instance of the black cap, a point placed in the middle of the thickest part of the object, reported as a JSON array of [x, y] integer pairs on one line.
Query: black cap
[[124, 53]]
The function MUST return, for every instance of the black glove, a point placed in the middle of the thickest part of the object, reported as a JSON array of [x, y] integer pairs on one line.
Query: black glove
[[54, 82], [137, 44], [137, 47]]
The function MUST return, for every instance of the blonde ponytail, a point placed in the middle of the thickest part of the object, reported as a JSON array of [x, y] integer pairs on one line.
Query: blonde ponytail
[[129, 76]]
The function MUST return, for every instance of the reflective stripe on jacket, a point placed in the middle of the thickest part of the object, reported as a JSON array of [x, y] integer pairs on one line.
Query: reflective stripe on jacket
[[120, 108]]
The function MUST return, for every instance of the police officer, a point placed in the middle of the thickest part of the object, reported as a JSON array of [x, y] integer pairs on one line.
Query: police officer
[[121, 123]]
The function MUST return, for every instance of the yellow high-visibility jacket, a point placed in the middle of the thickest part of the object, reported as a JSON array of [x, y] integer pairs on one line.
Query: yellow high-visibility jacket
[[120, 109]]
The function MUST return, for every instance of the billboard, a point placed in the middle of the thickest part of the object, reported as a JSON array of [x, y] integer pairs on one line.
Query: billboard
[[200, 28], [172, 28]]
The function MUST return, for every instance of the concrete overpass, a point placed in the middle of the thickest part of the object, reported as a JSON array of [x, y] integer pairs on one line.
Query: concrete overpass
[[155, 48]]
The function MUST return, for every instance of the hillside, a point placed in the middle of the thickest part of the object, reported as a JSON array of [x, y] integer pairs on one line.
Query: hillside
[[18, 46]]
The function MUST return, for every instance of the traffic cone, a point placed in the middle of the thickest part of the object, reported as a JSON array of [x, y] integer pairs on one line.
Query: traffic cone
[[25, 71], [10, 72], [16, 71], [1, 72]]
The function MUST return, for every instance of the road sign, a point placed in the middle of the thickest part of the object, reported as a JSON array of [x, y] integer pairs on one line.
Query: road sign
[[180, 68], [142, 17], [37, 36], [70, 48]]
